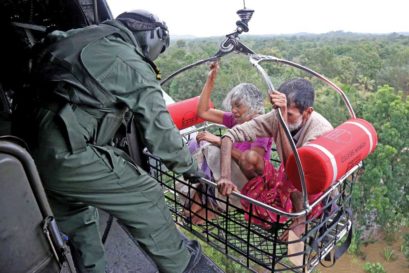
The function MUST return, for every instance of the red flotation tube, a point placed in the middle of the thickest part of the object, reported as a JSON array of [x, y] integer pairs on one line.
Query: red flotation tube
[[331, 155], [184, 113]]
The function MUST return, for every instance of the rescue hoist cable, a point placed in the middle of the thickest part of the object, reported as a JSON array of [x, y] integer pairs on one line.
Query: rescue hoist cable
[[230, 44]]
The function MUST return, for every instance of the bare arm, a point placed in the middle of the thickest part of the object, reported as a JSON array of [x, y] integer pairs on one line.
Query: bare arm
[[225, 185], [236, 153], [209, 137], [279, 100], [217, 141], [261, 126], [285, 144], [203, 109]]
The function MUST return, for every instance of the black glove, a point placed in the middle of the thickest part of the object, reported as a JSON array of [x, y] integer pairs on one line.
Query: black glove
[[194, 177]]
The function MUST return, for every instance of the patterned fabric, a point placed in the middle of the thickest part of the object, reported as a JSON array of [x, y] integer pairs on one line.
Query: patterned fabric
[[274, 189], [271, 188]]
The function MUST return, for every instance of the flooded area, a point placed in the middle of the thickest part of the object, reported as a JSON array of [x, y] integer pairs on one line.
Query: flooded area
[[389, 255], [373, 253]]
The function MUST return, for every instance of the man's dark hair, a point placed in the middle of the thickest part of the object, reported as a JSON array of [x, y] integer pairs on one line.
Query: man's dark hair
[[298, 91]]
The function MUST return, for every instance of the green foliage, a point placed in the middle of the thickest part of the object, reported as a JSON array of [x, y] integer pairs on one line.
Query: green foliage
[[374, 268], [363, 62], [389, 254], [383, 187], [356, 243]]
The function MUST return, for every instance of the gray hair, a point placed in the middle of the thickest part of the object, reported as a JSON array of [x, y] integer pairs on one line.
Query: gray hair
[[247, 94]]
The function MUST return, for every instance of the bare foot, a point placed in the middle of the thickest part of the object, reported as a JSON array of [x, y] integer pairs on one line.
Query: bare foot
[[193, 206], [197, 211], [199, 218], [297, 226], [197, 204]]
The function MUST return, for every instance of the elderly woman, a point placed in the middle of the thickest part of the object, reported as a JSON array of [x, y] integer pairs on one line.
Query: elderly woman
[[243, 103]]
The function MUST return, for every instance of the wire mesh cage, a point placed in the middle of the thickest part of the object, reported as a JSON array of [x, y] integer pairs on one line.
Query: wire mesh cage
[[255, 241]]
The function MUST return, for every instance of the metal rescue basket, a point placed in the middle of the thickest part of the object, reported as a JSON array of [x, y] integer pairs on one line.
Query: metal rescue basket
[[268, 244]]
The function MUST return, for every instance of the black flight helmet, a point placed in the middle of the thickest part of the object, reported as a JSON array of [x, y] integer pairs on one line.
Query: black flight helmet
[[150, 32]]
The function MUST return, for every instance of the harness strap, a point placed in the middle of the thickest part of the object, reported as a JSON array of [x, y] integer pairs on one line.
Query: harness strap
[[59, 62], [340, 250], [345, 245]]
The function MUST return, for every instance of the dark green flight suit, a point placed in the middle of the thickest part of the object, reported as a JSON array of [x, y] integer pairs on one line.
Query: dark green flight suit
[[102, 73]]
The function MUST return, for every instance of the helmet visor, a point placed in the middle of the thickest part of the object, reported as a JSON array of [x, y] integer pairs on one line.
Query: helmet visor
[[163, 35]]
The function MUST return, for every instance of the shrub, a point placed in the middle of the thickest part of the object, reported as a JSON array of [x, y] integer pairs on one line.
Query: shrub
[[374, 268], [389, 254]]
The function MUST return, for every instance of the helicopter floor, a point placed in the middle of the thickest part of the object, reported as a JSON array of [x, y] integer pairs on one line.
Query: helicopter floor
[[124, 255]]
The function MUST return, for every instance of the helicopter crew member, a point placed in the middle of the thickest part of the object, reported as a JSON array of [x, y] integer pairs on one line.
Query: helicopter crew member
[[86, 81]]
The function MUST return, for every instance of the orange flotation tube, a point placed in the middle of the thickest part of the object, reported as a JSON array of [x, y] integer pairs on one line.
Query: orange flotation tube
[[331, 155], [184, 113]]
